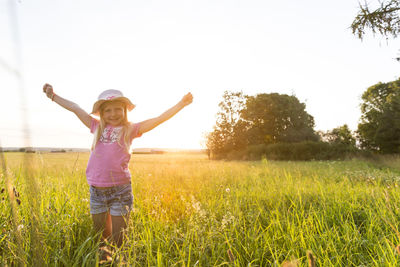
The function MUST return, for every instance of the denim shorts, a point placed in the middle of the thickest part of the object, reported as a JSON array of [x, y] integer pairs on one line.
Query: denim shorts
[[118, 200]]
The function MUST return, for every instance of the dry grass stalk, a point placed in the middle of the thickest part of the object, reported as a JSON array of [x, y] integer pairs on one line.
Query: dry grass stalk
[[397, 249], [311, 258], [230, 255], [105, 255], [292, 263]]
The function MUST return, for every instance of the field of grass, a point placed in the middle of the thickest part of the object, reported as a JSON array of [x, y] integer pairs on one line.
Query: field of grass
[[189, 211]]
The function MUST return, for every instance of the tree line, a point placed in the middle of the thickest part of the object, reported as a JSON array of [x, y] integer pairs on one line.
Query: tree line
[[277, 126]]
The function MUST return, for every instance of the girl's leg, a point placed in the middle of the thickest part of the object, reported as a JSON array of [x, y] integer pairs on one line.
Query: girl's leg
[[119, 224], [102, 222]]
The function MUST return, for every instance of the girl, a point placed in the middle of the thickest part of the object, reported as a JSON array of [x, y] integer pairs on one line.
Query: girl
[[107, 171]]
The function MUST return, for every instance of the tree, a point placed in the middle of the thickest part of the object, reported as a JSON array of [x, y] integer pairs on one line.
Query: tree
[[229, 128], [379, 128], [340, 135], [275, 118], [258, 120], [384, 20]]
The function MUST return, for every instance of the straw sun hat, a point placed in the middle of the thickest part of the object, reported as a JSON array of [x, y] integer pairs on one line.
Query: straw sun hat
[[111, 95]]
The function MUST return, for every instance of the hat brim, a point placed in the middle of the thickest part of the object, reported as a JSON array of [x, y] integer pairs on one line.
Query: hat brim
[[98, 103]]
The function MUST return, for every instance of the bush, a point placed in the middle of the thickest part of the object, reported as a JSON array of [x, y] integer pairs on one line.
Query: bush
[[300, 151]]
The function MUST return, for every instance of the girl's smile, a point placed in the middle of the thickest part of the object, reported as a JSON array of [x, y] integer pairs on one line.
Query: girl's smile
[[113, 113]]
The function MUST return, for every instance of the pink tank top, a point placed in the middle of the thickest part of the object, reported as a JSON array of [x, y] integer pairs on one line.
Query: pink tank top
[[108, 162]]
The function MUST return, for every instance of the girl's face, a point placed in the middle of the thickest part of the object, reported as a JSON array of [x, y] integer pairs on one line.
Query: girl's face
[[113, 113]]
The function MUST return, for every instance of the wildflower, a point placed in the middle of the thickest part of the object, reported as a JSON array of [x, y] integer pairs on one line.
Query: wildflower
[[227, 190], [196, 206], [226, 220], [20, 227], [202, 213]]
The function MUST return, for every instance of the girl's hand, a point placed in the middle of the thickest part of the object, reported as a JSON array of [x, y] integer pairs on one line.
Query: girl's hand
[[48, 90], [187, 99]]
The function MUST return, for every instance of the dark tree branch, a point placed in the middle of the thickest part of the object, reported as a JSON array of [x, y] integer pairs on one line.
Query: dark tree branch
[[385, 20]]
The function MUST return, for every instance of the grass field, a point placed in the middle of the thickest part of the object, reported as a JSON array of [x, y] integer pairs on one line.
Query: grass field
[[190, 211]]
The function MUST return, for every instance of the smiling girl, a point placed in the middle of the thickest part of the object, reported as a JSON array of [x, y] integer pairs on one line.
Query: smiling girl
[[107, 171]]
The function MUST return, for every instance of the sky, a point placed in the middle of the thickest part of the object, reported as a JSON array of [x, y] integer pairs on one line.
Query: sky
[[156, 51]]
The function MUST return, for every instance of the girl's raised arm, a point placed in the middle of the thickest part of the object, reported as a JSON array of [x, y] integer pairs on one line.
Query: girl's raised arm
[[69, 105], [150, 124]]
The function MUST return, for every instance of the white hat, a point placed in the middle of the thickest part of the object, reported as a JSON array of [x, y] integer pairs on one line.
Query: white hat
[[111, 95]]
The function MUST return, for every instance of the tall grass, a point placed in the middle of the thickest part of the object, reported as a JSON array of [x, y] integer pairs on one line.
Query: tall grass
[[189, 211]]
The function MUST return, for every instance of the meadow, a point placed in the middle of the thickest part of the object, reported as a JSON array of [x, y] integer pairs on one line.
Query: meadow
[[190, 211]]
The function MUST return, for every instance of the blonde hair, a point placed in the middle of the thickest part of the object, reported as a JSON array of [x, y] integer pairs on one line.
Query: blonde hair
[[125, 132]]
